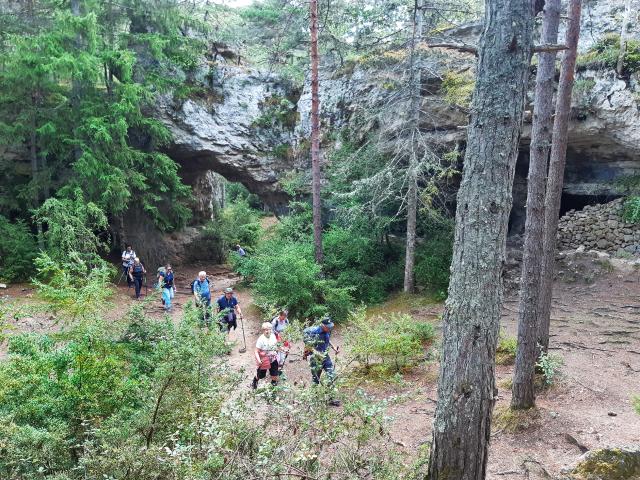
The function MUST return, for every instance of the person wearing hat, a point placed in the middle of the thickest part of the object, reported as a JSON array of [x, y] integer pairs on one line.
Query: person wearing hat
[[228, 306], [266, 356], [280, 323], [317, 343]]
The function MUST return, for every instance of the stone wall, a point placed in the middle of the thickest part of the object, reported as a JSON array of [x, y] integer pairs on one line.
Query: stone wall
[[599, 227]]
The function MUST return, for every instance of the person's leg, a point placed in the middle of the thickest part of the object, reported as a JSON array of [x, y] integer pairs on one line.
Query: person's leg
[[125, 269], [138, 285], [327, 366], [260, 374], [316, 369], [166, 298], [273, 373]]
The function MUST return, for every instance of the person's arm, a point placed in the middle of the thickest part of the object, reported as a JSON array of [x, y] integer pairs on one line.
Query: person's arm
[[238, 309]]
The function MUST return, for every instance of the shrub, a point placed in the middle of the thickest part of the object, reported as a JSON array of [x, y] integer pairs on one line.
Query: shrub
[[17, 250], [284, 273], [550, 365], [239, 224], [605, 52], [73, 288], [394, 342], [358, 261], [631, 209]]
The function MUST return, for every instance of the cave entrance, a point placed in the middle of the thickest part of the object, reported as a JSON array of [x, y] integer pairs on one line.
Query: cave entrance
[[578, 202]]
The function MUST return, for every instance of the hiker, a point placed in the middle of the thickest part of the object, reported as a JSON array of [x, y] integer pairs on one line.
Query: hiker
[[240, 251], [136, 274], [165, 282], [229, 307], [317, 342], [266, 356], [128, 256], [279, 324], [201, 290]]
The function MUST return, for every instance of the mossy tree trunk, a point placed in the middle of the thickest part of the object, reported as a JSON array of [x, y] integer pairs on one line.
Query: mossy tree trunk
[[523, 389], [466, 386], [555, 179]]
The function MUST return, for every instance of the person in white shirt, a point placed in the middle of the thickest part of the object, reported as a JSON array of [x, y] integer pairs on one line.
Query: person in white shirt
[[128, 257], [266, 356]]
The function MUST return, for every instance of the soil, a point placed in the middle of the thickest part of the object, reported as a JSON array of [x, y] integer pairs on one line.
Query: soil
[[595, 329]]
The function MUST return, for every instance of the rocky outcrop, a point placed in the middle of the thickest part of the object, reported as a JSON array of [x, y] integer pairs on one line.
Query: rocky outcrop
[[599, 227], [239, 125]]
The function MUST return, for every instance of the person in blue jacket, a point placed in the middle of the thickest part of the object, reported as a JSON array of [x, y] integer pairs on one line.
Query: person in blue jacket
[[229, 309], [202, 294], [317, 342]]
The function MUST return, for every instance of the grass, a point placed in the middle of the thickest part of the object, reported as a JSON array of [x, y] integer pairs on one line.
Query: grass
[[506, 350], [515, 421], [403, 303]]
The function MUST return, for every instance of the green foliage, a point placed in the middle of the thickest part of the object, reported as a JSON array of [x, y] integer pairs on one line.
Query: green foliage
[[550, 365], [631, 209], [277, 112], [506, 350], [95, 397], [605, 53], [73, 287], [284, 273], [17, 250], [72, 225], [73, 107], [357, 260], [433, 257], [458, 88], [636, 404], [239, 224], [395, 342]]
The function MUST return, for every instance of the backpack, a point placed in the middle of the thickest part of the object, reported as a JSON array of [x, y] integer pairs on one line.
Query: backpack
[[309, 337]]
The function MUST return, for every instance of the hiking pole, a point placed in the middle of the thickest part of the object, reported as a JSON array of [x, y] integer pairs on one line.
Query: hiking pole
[[243, 349]]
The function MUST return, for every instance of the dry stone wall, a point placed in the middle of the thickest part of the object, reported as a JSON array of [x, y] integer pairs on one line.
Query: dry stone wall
[[599, 227]]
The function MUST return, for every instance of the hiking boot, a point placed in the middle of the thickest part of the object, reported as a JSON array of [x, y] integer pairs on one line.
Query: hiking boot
[[254, 383]]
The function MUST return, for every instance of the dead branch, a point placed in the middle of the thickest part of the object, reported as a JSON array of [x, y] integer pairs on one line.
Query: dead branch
[[549, 48]]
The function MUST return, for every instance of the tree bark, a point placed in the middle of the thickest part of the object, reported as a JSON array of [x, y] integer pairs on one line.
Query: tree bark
[[466, 386], [315, 134], [523, 389], [555, 178], [623, 38], [415, 84]]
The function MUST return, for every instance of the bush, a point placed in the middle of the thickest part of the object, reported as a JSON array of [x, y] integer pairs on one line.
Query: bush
[[631, 209], [550, 365], [239, 224], [73, 288], [605, 52], [284, 273], [394, 342], [358, 261], [17, 250]]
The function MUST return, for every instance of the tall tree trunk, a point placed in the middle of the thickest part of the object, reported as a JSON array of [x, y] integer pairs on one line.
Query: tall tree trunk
[[33, 157], [555, 178], [523, 388], [315, 134], [415, 79], [624, 33], [466, 386]]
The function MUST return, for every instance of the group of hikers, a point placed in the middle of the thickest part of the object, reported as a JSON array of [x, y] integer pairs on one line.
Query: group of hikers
[[272, 347]]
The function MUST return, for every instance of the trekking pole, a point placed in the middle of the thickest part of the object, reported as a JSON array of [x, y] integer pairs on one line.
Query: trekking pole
[[243, 349]]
